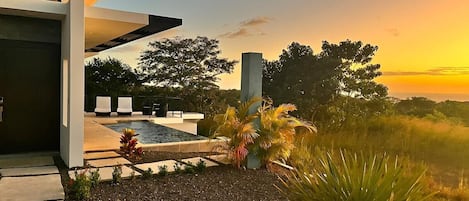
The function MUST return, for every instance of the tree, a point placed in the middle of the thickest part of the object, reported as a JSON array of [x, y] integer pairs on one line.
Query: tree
[[456, 111], [108, 77], [311, 81], [416, 106], [184, 63]]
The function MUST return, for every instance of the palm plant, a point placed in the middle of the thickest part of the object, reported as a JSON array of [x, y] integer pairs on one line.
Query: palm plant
[[238, 126], [277, 130]]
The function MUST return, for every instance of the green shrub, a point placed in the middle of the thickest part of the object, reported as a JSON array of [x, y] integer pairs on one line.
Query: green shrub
[[80, 187], [178, 168], [200, 166], [117, 174], [147, 174], [94, 178], [163, 170], [206, 127], [355, 177], [132, 175], [189, 168]]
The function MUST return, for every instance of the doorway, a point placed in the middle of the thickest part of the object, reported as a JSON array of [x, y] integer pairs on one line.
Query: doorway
[[30, 86]]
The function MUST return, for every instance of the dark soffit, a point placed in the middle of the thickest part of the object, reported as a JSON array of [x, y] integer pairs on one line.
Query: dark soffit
[[156, 24]]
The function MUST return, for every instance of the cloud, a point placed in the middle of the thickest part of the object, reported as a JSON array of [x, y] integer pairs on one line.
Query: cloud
[[450, 70], [393, 31], [240, 33], [248, 28], [255, 21]]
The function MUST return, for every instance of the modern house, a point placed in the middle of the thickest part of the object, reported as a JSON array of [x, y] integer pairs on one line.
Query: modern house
[[43, 45]]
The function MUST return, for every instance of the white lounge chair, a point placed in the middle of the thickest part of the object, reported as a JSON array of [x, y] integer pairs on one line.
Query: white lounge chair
[[103, 106], [124, 106]]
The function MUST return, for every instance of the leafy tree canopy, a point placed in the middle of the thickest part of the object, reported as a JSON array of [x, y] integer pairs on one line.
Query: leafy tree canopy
[[110, 74], [310, 80], [184, 63], [108, 77], [416, 106]]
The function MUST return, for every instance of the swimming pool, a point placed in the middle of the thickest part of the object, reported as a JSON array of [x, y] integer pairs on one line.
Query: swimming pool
[[150, 133]]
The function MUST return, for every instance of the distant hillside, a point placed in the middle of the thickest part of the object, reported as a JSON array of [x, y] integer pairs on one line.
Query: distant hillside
[[438, 97]]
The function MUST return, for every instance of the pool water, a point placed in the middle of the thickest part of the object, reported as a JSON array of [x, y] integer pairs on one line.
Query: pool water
[[150, 133]]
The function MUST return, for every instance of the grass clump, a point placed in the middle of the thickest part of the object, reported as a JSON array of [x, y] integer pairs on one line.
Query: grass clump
[[95, 177], [350, 176], [200, 166], [147, 174], [189, 168], [178, 168], [163, 170], [80, 187], [117, 174]]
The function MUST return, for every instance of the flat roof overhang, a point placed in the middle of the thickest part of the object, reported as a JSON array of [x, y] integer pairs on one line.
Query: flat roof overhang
[[105, 29]]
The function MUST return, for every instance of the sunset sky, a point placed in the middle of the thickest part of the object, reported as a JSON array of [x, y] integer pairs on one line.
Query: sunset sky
[[423, 44]]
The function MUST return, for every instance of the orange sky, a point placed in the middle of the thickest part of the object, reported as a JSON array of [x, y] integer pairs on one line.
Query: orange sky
[[423, 44]]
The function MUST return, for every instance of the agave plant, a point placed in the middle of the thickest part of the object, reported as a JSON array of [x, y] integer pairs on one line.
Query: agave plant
[[356, 177], [277, 132], [238, 126]]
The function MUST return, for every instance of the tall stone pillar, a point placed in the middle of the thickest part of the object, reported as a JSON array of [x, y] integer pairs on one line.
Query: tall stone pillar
[[251, 77], [251, 86]]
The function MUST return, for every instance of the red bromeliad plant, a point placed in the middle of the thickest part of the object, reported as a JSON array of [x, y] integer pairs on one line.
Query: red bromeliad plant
[[129, 143]]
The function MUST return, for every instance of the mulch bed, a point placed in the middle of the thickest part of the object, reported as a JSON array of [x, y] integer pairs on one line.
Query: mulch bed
[[215, 183]]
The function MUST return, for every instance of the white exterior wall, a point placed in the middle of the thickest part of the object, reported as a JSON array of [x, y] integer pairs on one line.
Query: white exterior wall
[[72, 94], [72, 88], [38, 7], [72, 15]]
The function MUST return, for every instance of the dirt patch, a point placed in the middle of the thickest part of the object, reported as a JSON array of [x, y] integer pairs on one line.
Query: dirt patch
[[215, 183]]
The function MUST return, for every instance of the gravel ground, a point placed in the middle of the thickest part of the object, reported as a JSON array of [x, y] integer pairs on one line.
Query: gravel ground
[[215, 183]]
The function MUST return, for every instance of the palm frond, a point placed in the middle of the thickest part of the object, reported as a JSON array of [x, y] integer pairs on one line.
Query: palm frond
[[245, 106]]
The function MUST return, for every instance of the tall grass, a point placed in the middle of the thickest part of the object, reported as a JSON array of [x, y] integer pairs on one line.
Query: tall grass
[[443, 146]]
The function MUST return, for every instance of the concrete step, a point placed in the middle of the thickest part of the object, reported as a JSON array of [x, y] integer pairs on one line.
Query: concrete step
[[45, 187], [220, 158], [26, 161], [100, 155], [29, 171], [108, 162]]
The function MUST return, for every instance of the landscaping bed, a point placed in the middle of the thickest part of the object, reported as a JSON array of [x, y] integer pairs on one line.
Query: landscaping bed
[[216, 183]]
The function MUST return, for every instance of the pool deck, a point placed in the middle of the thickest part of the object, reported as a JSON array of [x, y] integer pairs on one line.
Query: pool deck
[[102, 138]]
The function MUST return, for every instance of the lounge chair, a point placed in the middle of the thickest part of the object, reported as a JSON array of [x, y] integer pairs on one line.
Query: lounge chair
[[124, 106], [103, 106]]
